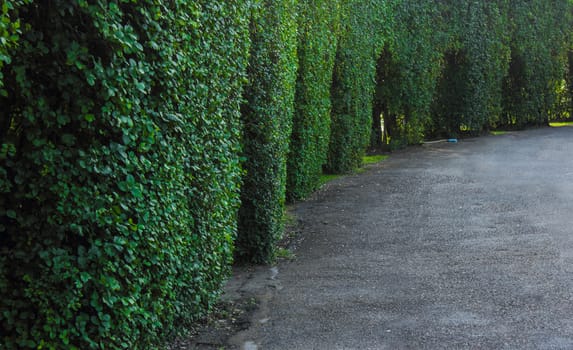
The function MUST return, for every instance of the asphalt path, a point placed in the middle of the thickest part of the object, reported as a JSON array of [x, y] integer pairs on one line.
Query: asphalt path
[[443, 246]]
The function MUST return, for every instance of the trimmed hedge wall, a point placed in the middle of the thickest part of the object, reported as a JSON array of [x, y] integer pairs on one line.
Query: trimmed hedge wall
[[488, 60], [539, 46], [121, 125], [119, 169], [469, 94], [407, 74], [318, 23], [267, 118], [353, 85]]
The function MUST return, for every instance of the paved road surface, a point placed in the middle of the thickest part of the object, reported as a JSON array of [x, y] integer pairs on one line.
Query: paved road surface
[[445, 246]]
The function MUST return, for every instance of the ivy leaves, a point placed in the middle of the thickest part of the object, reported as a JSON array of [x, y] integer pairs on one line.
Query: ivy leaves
[[119, 170]]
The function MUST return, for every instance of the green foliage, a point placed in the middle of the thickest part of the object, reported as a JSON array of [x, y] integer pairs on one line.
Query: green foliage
[[560, 124], [318, 23], [121, 123], [353, 83], [538, 60], [469, 93], [10, 30], [267, 118], [569, 76], [407, 73], [286, 254], [119, 168], [373, 159], [448, 105], [326, 178]]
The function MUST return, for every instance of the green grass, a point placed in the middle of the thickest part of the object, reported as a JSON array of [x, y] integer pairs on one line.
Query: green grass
[[498, 132], [366, 160], [373, 159], [288, 218], [284, 253], [325, 178], [560, 124]]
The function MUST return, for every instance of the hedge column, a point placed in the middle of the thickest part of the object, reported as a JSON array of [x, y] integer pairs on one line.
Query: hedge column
[[354, 83], [538, 56], [317, 26], [119, 169], [267, 119]]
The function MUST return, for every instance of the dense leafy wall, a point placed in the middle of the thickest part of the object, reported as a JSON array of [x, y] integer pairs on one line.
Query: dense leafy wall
[[407, 73], [267, 119], [318, 22], [469, 94], [538, 56], [353, 83], [121, 121], [119, 168]]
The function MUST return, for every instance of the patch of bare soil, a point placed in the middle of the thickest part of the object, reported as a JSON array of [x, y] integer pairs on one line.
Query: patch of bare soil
[[245, 294], [214, 331]]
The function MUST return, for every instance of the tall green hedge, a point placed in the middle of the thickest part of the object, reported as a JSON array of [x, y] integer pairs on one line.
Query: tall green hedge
[[267, 118], [470, 92], [407, 73], [318, 23], [488, 60], [538, 60], [121, 125], [353, 84], [119, 169]]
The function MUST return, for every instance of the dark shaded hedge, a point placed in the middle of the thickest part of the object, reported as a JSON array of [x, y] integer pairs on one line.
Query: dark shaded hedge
[[318, 23], [569, 81], [539, 47], [470, 91], [267, 118], [119, 169], [353, 84], [407, 73]]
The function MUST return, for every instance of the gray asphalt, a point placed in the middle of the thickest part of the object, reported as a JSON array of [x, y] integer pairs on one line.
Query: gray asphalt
[[443, 246]]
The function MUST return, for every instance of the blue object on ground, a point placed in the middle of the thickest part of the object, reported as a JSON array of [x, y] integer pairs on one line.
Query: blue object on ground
[[453, 140]]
